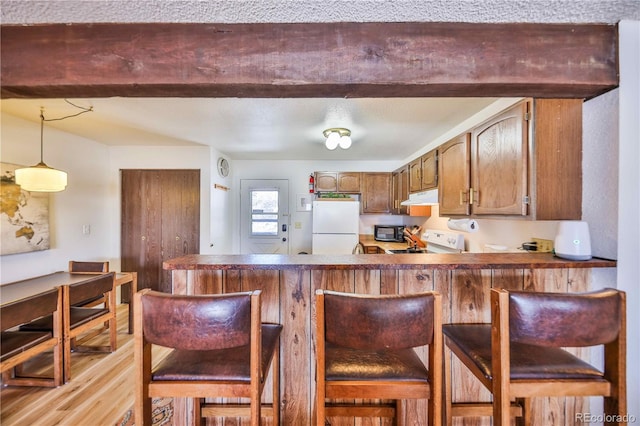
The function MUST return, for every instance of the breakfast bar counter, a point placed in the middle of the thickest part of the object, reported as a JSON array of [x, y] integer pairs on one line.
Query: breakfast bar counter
[[288, 283]]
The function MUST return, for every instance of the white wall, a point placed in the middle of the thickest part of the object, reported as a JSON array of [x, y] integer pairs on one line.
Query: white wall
[[297, 173], [86, 201], [92, 196], [629, 200]]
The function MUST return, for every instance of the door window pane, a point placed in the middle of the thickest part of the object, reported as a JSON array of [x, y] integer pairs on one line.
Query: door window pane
[[264, 212]]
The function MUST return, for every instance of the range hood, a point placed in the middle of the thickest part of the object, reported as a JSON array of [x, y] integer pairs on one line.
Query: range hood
[[425, 198]]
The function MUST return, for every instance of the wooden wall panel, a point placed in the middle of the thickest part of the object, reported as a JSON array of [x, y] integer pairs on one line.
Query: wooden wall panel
[[416, 281], [297, 347], [470, 298]]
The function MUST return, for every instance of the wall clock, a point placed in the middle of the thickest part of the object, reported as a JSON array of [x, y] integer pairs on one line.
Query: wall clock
[[223, 167]]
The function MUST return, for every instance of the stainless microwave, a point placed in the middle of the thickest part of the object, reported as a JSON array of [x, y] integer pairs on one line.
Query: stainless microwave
[[392, 233]]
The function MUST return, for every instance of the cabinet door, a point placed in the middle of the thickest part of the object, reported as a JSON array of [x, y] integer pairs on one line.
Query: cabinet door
[[349, 182], [376, 193], [415, 175], [326, 181], [399, 190], [454, 172], [429, 170], [499, 164]]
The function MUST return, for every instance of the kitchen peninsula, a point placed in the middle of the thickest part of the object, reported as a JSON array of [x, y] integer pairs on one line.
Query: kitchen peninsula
[[289, 281]]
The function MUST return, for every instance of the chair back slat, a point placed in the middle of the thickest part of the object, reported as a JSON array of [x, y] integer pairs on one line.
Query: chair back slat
[[90, 288], [78, 267], [28, 309], [205, 322], [365, 322], [561, 319]]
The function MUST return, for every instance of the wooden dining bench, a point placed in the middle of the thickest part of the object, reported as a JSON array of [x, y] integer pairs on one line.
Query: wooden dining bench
[[20, 346]]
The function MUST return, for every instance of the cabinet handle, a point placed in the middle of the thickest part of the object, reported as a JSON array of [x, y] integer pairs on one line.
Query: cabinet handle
[[462, 196]]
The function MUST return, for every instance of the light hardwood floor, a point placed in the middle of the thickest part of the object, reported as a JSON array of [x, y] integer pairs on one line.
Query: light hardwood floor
[[100, 391]]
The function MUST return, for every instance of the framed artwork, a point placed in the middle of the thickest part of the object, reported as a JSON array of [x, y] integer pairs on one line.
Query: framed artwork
[[24, 215]]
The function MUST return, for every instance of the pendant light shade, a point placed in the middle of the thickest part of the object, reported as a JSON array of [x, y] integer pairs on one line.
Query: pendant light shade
[[41, 178]]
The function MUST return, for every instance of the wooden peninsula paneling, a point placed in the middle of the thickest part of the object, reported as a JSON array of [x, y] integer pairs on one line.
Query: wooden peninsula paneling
[[464, 280]]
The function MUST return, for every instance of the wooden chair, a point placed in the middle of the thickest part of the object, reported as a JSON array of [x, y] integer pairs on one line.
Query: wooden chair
[[20, 346], [520, 354], [220, 349], [85, 267], [78, 321], [365, 350], [78, 267]]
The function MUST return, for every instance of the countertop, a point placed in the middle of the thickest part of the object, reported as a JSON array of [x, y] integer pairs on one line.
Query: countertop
[[526, 260]]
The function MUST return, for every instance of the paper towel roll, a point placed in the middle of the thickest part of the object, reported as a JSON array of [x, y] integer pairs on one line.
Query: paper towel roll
[[464, 225]]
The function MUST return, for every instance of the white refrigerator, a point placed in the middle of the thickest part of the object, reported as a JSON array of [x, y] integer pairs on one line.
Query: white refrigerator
[[335, 227]]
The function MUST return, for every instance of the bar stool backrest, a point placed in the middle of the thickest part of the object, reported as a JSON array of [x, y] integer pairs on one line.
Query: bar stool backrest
[[369, 323], [562, 319], [206, 323]]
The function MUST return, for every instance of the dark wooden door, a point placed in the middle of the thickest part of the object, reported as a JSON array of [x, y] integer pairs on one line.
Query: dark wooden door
[[160, 220]]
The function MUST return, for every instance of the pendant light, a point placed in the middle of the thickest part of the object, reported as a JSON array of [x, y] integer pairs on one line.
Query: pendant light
[[41, 178]]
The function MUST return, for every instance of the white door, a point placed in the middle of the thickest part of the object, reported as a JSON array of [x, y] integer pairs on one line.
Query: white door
[[264, 216]]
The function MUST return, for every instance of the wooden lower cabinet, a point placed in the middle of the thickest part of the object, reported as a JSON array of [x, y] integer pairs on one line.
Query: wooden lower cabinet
[[288, 296]]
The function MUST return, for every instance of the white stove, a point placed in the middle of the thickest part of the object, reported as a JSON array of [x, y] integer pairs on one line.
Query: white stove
[[443, 242]]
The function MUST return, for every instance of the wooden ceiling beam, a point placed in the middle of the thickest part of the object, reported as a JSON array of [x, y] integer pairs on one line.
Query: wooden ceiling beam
[[308, 60]]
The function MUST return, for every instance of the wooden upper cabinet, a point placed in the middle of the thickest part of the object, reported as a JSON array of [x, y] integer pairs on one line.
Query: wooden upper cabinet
[[556, 189], [415, 175], [454, 169], [429, 165], [487, 171], [423, 172], [499, 164], [399, 189], [348, 182], [376, 193], [326, 181]]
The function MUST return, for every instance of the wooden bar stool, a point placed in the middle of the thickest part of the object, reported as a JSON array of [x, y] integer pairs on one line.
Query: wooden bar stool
[[520, 354], [221, 349], [365, 350]]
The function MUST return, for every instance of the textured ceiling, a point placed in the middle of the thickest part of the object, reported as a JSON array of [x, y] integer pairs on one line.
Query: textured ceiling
[[384, 129], [236, 11]]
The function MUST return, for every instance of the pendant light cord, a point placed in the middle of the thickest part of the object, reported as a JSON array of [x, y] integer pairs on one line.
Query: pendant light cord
[[42, 120], [42, 135], [84, 110]]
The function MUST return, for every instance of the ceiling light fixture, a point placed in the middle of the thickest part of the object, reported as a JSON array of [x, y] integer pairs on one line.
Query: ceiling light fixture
[[337, 136], [42, 178]]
